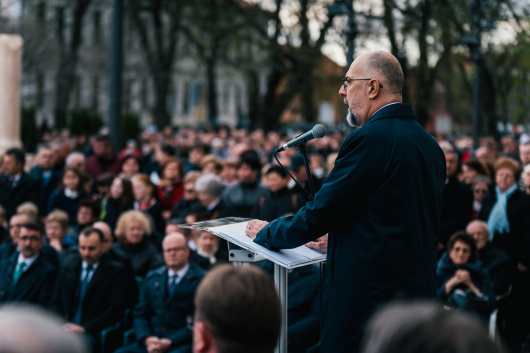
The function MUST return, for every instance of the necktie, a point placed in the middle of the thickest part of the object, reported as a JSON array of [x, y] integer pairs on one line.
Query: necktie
[[18, 272], [84, 285], [12, 181], [172, 285]]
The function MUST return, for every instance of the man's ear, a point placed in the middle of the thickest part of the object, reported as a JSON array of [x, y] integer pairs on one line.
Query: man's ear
[[374, 89], [202, 338]]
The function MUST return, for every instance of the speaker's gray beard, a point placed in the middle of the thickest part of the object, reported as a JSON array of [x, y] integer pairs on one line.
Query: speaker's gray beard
[[352, 120]]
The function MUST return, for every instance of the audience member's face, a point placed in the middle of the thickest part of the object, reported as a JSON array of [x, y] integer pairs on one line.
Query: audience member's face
[[480, 191], [524, 153], [189, 191], [30, 242], [469, 174], [209, 168], [55, 231], [116, 188], [246, 175], [141, 191], [460, 253], [90, 248], [207, 242], [11, 167], [509, 145], [172, 228], [504, 179], [176, 252], [451, 162], [479, 233], [70, 180], [206, 199], [130, 168], [276, 182], [46, 159], [15, 223], [84, 215], [228, 173], [99, 149], [171, 171], [134, 232], [78, 163], [195, 156]]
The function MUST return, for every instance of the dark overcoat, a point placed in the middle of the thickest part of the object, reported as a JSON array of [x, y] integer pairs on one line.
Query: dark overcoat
[[381, 205]]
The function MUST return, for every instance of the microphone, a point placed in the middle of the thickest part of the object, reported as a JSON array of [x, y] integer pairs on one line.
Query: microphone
[[317, 132]]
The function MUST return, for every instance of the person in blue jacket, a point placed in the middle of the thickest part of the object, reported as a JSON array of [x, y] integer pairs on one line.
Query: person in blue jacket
[[380, 204]]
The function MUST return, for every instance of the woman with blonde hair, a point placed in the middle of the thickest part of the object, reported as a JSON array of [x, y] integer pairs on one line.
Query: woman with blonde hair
[[133, 232]]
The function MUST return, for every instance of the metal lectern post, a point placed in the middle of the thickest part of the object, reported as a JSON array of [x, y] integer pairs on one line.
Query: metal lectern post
[[280, 281]]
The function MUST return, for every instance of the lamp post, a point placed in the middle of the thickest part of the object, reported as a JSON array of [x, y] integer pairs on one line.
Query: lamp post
[[473, 41], [345, 8], [116, 65]]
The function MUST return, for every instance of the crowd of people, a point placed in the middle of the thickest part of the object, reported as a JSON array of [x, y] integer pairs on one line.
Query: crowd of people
[[92, 233]]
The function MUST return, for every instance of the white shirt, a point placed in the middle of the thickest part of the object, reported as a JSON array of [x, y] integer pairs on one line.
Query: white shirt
[[28, 261], [180, 274], [84, 265]]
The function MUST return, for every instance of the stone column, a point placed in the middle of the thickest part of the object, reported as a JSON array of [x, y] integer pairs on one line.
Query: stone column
[[10, 76]]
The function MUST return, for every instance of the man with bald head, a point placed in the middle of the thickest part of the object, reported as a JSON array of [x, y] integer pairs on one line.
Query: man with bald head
[[380, 204], [166, 302]]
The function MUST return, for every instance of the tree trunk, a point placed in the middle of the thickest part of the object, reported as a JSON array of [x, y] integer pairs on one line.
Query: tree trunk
[[160, 113]]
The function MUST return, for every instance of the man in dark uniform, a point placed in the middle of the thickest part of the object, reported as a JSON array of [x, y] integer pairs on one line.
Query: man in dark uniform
[[380, 205]]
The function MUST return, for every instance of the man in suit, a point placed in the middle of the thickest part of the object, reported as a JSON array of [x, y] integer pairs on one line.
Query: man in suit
[[457, 202], [43, 171], [166, 302], [90, 293], [11, 247], [27, 276], [16, 186], [380, 205], [237, 311]]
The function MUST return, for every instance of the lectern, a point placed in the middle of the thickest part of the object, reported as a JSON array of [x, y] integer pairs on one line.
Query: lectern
[[243, 249]]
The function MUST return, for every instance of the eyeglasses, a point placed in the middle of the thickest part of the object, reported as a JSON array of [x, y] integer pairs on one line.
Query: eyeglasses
[[347, 79]]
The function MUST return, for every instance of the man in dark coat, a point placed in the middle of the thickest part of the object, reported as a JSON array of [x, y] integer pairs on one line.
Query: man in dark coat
[[166, 302], [380, 205], [457, 201], [16, 186], [27, 276], [90, 293], [44, 172]]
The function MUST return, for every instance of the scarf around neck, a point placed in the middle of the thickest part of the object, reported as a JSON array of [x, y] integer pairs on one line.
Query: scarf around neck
[[498, 219]]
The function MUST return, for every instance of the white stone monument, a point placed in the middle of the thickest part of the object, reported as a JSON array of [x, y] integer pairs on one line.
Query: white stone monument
[[10, 76]]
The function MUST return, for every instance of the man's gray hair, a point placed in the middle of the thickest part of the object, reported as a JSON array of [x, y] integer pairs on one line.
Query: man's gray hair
[[210, 184], [390, 71], [73, 156]]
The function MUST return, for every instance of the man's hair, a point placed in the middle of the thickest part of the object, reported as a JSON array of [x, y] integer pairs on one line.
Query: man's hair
[[18, 154], [105, 139], [465, 238], [278, 170], [89, 230], [34, 226], [43, 146], [250, 160], [425, 327], [241, 309], [92, 205], [210, 184], [380, 63]]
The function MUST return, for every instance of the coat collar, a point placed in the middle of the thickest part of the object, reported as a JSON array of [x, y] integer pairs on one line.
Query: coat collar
[[392, 111]]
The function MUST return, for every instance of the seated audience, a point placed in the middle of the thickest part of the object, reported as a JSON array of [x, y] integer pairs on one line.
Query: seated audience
[[130, 166], [189, 202], [494, 260], [166, 302], [471, 169], [145, 202], [171, 187], [281, 201], [90, 289], [69, 195], [120, 199], [133, 232], [212, 248], [425, 328], [87, 212], [226, 302], [461, 280], [56, 226], [210, 190], [43, 171], [27, 276], [16, 186], [481, 188]]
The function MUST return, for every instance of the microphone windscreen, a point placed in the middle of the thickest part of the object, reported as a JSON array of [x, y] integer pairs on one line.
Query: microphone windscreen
[[319, 131]]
